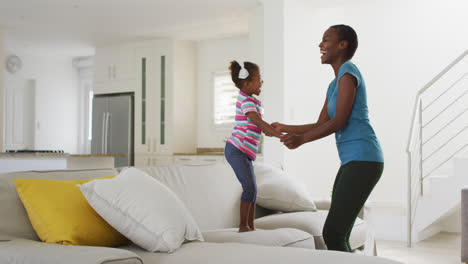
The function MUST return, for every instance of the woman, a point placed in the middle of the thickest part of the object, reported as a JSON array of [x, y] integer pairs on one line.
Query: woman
[[344, 113]]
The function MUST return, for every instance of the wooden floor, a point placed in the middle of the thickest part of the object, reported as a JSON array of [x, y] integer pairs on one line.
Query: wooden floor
[[443, 248]]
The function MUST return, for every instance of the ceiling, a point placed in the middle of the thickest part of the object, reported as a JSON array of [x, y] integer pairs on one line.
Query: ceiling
[[76, 27]]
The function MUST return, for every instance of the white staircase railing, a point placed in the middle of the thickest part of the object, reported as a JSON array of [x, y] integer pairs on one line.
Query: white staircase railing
[[419, 153]]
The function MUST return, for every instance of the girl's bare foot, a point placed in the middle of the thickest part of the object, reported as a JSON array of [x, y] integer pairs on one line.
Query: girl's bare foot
[[244, 229], [251, 217]]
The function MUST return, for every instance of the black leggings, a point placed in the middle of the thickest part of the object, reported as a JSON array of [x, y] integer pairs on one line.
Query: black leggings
[[353, 185]]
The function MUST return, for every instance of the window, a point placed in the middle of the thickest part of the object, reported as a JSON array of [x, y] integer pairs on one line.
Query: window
[[84, 68], [225, 98]]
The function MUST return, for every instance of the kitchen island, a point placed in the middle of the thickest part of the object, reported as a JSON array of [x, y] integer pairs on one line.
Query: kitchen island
[[10, 162]]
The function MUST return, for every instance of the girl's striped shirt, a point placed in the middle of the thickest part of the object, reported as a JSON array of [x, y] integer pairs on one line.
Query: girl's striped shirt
[[246, 135]]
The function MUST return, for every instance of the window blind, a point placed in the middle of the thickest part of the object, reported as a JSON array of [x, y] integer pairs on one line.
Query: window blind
[[225, 98]]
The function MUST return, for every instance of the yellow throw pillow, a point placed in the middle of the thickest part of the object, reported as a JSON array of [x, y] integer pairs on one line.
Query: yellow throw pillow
[[59, 213]]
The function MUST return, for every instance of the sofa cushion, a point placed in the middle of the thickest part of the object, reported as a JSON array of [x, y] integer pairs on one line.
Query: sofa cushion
[[235, 253], [282, 237], [278, 191], [210, 192], [4, 238], [312, 222], [15, 221], [28, 252], [59, 213], [196, 185], [143, 209]]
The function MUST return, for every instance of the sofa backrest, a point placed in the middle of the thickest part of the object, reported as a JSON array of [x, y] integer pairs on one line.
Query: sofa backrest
[[13, 218], [211, 192]]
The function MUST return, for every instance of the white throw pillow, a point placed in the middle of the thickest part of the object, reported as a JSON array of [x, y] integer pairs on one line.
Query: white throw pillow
[[144, 210], [281, 192]]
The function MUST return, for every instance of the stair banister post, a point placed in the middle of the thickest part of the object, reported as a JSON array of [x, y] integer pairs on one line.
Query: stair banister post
[[409, 201], [420, 146]]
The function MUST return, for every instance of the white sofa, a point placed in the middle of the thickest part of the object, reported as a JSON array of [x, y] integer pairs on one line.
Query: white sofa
[[211, 193]]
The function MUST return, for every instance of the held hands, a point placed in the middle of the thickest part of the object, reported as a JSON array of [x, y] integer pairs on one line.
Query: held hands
[[292, 141], [278, 127], [272, 134]]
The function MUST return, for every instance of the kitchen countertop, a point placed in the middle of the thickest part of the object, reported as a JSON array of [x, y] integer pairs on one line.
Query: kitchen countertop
[[200, 154], [5, 155], [97, 155], [26, 161], [204, 152], [32, 155]]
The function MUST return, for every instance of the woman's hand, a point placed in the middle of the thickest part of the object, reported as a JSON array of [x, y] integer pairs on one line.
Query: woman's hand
[[278, 127], [292, 141]]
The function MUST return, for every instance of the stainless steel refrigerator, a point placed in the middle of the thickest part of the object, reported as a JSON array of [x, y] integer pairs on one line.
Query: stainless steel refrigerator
[[112, 127]]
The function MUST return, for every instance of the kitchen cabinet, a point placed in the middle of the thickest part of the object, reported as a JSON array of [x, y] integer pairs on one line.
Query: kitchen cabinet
[[114, 70], [141, 160], [79, 162], [162, 75], [25, 162], [205, 159], [153, 109]]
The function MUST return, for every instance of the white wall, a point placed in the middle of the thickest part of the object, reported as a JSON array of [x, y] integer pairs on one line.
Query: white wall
[[401, 47], [307, 82], [274, 91], [56, 101], [185, 111], [56, 104], [214, 55], [256, 38]]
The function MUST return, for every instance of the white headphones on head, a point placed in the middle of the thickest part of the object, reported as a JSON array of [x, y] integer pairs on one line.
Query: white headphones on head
[[243, 73]]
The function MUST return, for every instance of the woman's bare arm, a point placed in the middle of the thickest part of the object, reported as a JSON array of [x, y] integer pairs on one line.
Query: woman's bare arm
[[344, 105], [301, 129]]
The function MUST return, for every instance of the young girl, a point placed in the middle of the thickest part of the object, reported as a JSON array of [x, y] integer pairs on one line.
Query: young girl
[[241, 148]]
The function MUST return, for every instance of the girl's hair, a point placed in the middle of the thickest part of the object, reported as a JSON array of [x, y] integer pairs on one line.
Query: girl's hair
[[235, 67], [348, 34]]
